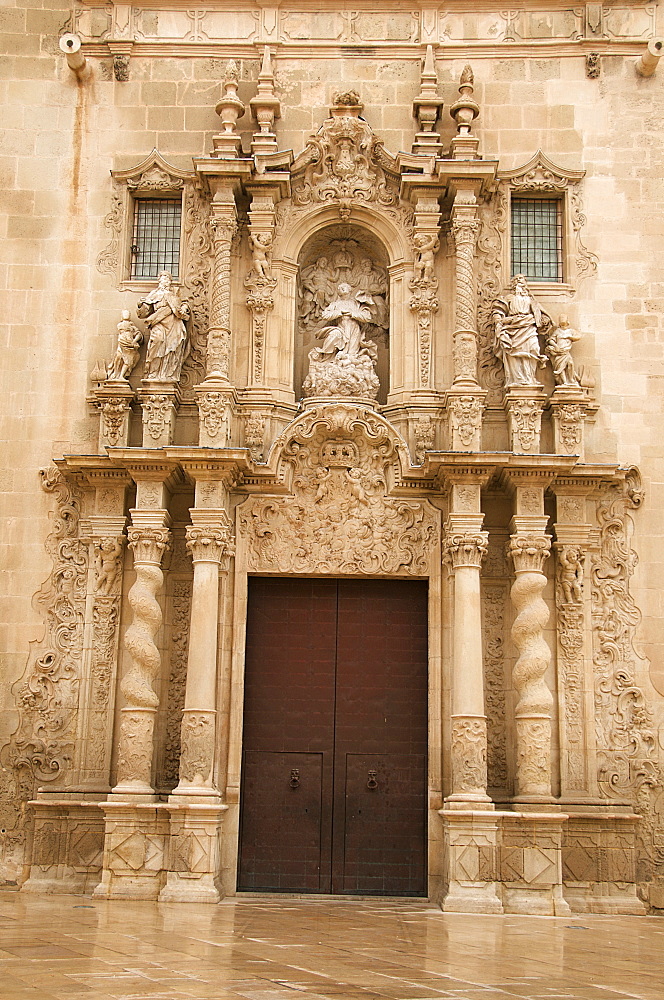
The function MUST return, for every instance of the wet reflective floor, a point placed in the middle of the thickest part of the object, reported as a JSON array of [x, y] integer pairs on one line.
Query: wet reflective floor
[[294, 949]]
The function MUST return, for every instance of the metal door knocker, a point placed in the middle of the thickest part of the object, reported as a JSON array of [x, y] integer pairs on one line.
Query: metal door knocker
[[372, 783], [295, 778]]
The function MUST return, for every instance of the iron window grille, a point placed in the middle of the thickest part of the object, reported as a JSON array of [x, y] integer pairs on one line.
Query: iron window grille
[[537, 238], [155, 242]]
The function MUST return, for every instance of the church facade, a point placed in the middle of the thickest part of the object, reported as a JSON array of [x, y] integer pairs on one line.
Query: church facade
[[334, 419]]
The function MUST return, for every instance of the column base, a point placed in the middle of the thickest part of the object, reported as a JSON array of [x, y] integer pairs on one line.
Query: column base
[[135, 844], [194, 855], [470, 844]]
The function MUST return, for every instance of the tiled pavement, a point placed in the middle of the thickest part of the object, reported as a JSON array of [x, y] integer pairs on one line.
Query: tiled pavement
[[68, 947]]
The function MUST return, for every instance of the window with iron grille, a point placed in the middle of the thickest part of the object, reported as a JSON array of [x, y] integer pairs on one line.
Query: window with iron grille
[[537, 238], [155, 241]]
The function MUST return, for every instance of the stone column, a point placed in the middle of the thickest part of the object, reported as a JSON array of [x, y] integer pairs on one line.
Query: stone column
[[148, 539], [215, 395], [209, 541], [224, 227], [424, 283], [464, 401], [464, 546], [529, 549], [574, 640]]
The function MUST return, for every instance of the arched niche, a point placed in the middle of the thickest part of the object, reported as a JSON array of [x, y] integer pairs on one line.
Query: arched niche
[[334, 256]]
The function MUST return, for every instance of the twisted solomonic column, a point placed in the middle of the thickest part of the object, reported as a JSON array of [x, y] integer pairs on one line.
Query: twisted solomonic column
[[533, 708], [464, 231], [464, 548], [136, 728], [224, 228], [211, 546]]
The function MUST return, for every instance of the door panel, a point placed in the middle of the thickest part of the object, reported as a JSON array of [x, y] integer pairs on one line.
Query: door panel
[[281, 841], [336, 677], [384, 825]]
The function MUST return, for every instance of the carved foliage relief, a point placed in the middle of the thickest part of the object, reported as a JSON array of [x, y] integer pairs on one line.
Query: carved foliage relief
[[339, 519], [628, 760], [42, 747]]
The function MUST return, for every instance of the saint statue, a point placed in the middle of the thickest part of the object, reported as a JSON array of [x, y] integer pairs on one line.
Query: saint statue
[[344, 363], [166, 317], [559, 348], [127, 353], [518, 322], [350, 311]]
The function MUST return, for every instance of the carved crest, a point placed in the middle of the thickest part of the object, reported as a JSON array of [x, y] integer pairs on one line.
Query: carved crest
[[344, 162], [340, 460]]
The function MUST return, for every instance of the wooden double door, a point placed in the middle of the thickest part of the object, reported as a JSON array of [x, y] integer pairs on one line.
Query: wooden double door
[[334, 775]]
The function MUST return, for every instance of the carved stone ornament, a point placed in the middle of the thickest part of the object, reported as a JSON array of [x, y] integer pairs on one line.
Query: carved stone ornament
[[209, 544], [569, 577], [424, 433], [166, 317], [344, 163], [518, 321], [42, 745], [254, 434], [215, 415], [156, 414], [198, 741], [529, 552], [525, 423], [114, 414], [494, 606], [469, 768], [466, 418], [108, 565], [128, 352], [340, 460], [465, 548]]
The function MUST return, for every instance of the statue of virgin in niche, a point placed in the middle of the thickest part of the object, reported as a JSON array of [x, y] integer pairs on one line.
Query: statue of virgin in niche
[[343, 307]]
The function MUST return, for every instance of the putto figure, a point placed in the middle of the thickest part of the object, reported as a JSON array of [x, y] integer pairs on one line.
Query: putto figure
[[166, 317], [559, 349], [127, 354], [519, 321]]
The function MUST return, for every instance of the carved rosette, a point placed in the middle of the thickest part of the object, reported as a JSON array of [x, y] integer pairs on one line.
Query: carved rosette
[[208, 544], [465, 416], [219, 335], [469, 748], [534, 699], [214, 416], [135, 746], [197, 747], [465, 548], [424, 303]]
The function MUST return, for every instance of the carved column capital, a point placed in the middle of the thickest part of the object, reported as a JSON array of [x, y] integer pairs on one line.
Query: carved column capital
[[148, 544], [529, 552], [465, 548], [465, 231], [208, 543]]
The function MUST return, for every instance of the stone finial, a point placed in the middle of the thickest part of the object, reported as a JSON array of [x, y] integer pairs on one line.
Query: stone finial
[[230, 108], [427, 108], [464, 111], [265, 108], [346, 104]]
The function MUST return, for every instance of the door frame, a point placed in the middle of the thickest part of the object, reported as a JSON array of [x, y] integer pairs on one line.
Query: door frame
[[231, 701]]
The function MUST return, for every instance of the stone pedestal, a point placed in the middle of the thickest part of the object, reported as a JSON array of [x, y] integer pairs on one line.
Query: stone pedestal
[[67, 844], [216, 401], [113, 399], [464, 405], [531, 863], [159, 403], [524, 405], [568, 410], [135, 850], [599, 851], [470, 842], [194, 860]]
